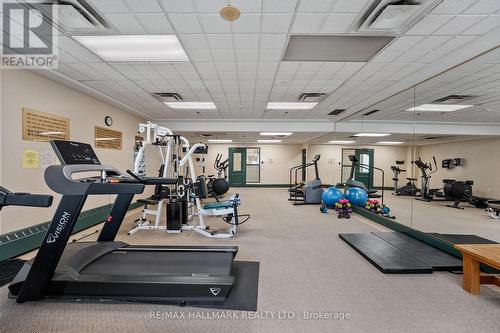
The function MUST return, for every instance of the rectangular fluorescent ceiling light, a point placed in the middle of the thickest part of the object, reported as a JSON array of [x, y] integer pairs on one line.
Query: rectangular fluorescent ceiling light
[[375, 135], [276, 133], [290, 105], [390, 142], [220, 140], [334, 48], [341, 142], [191, 105], [135, 47], [439, 107], [269, 141]]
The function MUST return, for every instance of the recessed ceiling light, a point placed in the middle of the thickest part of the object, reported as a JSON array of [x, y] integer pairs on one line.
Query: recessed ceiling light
[[341, 142], [135, 47], [191, 105], [269, 141], [439, 107], [276, 133], [290, 105], [390, 142], [372, 134], [220, 140]]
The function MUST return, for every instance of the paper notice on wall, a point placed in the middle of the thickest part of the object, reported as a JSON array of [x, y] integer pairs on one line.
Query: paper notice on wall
[[31, 159], [46, 158]]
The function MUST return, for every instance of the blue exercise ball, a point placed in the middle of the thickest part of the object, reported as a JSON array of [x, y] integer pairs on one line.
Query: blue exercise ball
[[357, 196], [331, 196]]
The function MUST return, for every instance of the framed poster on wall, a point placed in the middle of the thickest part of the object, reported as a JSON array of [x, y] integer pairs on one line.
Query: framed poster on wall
[[107, 138], [42, 126]]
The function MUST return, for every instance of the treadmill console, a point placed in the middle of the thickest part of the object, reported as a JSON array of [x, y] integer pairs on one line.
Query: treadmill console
[[71, 152]]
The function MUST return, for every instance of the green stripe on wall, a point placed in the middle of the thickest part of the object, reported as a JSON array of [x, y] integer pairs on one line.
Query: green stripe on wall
[[21, 241]]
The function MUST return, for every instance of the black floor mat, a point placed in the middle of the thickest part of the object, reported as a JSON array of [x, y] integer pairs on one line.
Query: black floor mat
[[9, 269], [244, 295], [462, 239]]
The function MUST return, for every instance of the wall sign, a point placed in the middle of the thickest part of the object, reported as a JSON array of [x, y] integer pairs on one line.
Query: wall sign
[[107, 138], [42, 126]]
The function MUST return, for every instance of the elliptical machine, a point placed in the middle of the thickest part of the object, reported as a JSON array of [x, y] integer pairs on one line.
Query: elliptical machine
[[410, 189], [426, 194], [305, 193]]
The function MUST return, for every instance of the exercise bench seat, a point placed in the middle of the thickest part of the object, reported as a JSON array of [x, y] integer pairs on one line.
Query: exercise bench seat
[[473, 256], [218, 205], [148, 201]]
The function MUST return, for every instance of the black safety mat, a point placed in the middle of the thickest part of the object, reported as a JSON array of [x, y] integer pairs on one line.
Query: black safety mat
[[9, 269]]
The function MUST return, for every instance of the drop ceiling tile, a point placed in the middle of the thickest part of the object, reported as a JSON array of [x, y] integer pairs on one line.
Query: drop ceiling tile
[[483, 26], [125, 23], [143, 6], [483, 7], [247, 55], [452, 6], [248, 6], [268, 66], [247, 23], [213, 23], [276, 23], [199, 55], [209, 6], [193, 41], [404, 43], [223, 55], [177, 6], [455, 43], [84, 55], [459, 24], [337, 23], [204, 67], [307, 23], [272, 41], [410, 56], [246, 41], [279, 6], [109, 6], [247, 67], [225, 66], [429, 24], [247, 76], [185, 23], [430, 43], [155, 23], [386, 56], [314, 6], [350, 6], [220, 41], [66, 57], [270, 55]]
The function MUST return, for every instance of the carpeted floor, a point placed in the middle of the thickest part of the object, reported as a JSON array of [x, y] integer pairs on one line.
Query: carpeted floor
[[304, 267]]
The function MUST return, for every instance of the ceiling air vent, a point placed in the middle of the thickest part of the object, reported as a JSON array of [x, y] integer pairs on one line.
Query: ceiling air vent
[[454, 99], [168, 97], [394, 16], [336, 112], [311, 97], [369, 113], [76, 16]]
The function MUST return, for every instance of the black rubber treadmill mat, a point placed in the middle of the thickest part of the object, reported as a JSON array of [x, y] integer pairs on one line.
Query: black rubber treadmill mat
[[244, 295], [438, 260], [9, 269], [462, 239], [386, 257]]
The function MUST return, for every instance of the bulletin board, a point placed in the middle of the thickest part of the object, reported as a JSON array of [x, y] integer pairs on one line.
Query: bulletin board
[[42, 126], [107, 138]]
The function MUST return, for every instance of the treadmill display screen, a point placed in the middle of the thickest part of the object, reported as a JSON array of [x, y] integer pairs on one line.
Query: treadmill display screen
[[71, 152]]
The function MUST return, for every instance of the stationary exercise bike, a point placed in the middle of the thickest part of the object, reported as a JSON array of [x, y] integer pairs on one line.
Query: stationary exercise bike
[[410, 189]]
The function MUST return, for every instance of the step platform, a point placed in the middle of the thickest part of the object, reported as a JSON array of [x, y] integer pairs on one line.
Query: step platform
[[398, 253], [462, 239]]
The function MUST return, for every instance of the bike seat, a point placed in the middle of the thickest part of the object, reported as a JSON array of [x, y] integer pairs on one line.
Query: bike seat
[[412, 179], [211, 176]]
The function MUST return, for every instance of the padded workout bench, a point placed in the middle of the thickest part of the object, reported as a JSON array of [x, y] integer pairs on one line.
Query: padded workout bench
[[473, 256]]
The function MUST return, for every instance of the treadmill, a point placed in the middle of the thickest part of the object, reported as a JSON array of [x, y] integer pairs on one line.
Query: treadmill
[[109, 269]]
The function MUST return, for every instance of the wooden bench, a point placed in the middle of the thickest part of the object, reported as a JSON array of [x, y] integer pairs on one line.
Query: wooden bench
[[473, 256]]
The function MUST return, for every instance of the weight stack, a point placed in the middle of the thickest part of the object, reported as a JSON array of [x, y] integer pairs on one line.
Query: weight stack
[[174, 216]]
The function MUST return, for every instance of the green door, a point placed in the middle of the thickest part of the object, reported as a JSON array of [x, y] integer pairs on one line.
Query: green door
[[237, 166], [361, 173]]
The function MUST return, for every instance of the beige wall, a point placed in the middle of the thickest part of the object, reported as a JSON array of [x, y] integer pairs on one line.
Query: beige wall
[[20, 89], [276, 160], [481, 164], [331, 158]]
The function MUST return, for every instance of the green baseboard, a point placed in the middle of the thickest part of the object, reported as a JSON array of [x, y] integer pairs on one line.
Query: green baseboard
[[18, 242], [417, 234]]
